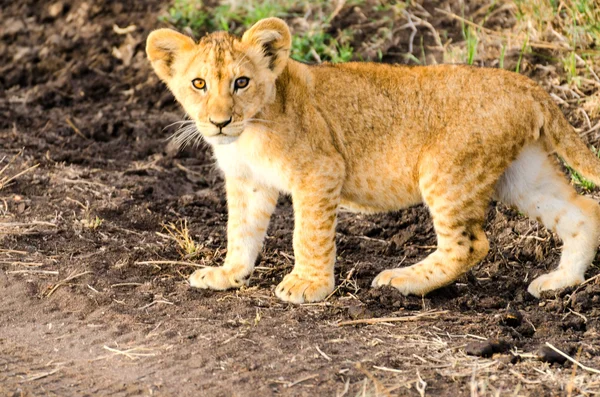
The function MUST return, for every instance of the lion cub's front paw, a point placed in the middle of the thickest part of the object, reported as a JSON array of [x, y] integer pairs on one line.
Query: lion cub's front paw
[[553, 281], [217, 278], [296, 289], [404, 280]]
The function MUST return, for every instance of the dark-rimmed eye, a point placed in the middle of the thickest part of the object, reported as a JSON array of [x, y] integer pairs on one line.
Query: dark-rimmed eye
[[199, 84], [241, 82]]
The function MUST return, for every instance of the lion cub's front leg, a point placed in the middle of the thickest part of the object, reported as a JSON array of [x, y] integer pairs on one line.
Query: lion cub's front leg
[[250, 207], [316, 200]]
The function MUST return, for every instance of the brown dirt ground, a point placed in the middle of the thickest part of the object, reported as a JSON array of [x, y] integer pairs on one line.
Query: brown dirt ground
[[92, 117]]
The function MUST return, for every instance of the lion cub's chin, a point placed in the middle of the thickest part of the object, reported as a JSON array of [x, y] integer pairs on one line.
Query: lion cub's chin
[[221, 139]]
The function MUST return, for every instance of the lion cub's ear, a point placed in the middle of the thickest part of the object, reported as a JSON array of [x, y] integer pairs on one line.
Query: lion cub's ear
[[162, 47], [273, 36]]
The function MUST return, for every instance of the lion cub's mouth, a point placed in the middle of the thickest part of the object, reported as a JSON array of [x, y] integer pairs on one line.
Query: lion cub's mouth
[[221, 139], [222, 136]]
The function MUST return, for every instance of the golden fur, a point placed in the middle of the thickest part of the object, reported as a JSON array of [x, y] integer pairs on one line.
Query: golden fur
[[372, 137]]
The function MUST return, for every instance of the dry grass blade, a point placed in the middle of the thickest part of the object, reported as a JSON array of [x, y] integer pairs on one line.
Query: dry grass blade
[[370, 321], [325, 356], [7, 251], [27, 224], [40, 375], [75, 129], [132, 353], [304, 379], [380, 390], [184, 263], [125, 285], [5, 180], [65, 281], [156, 302], [32, 271]]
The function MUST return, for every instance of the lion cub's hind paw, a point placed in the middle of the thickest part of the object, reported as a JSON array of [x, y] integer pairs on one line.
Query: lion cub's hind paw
[[553, 281], [216, 278], [296, 289]]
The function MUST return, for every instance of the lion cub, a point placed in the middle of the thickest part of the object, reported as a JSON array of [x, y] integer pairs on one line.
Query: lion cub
[[372, 138]]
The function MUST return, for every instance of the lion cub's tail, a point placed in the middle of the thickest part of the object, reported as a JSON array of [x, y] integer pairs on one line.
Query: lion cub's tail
[[569, 145]]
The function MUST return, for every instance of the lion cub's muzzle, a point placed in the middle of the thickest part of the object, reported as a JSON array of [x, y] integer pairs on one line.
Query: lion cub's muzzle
[[223, 132]]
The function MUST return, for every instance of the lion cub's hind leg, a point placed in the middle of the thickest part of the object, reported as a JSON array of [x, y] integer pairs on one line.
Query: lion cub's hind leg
[[457, 203], [534, 184]]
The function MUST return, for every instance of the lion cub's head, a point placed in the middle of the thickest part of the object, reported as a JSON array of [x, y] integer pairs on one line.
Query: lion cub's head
[[222, 82]]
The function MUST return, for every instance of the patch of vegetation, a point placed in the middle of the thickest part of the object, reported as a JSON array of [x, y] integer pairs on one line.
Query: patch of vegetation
[[314, 43], [573, 24], [471, 42], [187, 247], [92, 223], [578, 179], [187, 13]]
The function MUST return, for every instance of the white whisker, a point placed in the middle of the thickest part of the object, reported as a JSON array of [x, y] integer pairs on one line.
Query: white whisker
[[186, 133]]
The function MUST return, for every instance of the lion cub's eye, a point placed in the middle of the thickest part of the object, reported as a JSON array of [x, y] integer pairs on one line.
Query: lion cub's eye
[[242, 82], [199, 84]]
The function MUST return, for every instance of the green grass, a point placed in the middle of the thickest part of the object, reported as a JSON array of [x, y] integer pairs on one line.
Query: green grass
[[314, 44], [471, 40], [575, 23], [186, 13], [578, 179]]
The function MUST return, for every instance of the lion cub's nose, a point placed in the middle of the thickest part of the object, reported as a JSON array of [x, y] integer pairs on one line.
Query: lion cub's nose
[[220, 124]]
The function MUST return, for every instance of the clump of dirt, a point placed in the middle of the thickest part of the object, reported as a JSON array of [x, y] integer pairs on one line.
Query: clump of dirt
[[94, 293]]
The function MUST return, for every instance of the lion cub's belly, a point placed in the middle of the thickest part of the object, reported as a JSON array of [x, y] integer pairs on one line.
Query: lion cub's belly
[[379, 193]]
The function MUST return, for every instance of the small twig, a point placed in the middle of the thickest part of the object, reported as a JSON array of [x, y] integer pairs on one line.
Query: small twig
[[524, 379], [379, 388], [125, 285], [53, 272], [294, 383], [398, 371], [585, 368], [41, 375], [594, 128], [27, 224], [420, 385], [325, 356], [130, 353], [154, 303], [7, 251], [19, 263], [66, 280], [74, 127], [169, 263], [588, 67], [346, 280], [5, 182], [370, 321], [580, 286]]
